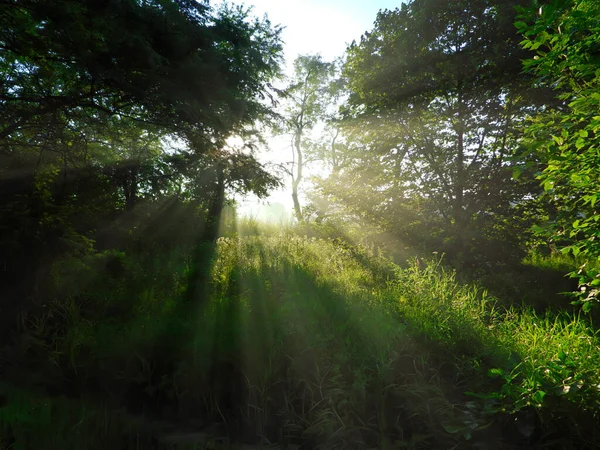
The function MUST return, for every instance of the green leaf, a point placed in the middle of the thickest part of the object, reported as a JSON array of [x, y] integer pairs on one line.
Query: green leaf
[[520, 25], [562, 356], [517, 171], [451, 429], [495, 373], [538, 397], [548, 184]]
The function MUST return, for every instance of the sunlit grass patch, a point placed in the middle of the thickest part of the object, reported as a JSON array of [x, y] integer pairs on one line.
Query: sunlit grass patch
[[312, 341], [457, 316], [556, 261], [319, 355], [559, 355], [545, 361]]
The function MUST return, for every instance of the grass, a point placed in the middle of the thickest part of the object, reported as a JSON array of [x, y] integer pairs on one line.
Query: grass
[[300, 341], [31, 420]]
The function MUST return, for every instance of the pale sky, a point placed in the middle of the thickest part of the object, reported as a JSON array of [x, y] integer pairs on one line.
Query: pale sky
[[321, 26], [312, 26]]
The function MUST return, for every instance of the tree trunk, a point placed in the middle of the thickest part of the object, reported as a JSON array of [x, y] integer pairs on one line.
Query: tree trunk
[[198, 286], [296, 180], [460, 221], [459, 182], [131, 194], [335, 166], [297, 208], [216, 207]]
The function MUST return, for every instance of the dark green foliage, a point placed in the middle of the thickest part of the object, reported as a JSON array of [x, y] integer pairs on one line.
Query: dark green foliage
[[115, 114], [300, 341], [179, 67]]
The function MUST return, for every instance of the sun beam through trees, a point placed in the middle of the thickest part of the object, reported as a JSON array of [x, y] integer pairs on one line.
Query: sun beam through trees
[[434, 286]]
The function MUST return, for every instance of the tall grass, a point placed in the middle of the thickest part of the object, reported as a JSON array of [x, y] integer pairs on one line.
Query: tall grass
[[301, 341]]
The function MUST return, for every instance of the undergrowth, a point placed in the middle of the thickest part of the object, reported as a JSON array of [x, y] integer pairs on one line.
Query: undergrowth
[[294, 340]]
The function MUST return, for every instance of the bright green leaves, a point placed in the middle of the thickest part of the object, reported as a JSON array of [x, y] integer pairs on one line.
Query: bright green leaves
[[520, 25], [538, 397], [566, 38], [591, 200], [580, 143]]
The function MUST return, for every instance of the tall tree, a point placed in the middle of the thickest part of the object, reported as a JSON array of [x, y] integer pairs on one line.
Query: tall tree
[[166, 67], [307, 98], [438, 87], [89, 92]]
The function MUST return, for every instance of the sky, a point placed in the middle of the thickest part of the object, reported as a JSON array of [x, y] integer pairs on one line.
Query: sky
[[311, 26], [320, 26]]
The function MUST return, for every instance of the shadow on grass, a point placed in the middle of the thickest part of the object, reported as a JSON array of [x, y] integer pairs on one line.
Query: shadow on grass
[[535, 282], [293, 343], [542, 288], [291, 340], [311, 363]]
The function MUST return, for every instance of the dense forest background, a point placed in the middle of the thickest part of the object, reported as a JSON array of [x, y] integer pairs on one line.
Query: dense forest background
[[437, 288]]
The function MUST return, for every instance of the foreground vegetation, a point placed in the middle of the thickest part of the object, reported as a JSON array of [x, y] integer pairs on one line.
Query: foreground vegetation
[[295, 341]]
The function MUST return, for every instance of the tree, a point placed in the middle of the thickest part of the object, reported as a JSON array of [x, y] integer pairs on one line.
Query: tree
[[307, 96], [566, 38], [92, 90], [175, 64], [83, 78], [438, 88]]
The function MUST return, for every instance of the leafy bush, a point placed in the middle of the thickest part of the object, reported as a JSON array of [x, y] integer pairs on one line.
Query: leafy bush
[[565, 37]]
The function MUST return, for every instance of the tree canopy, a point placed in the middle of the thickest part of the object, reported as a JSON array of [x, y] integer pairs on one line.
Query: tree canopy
[[178, 65], [109, 109], [437, 95]]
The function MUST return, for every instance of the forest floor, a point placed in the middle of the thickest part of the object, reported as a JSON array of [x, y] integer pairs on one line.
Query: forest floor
[[279, 340]]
